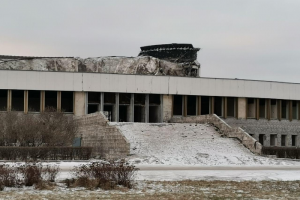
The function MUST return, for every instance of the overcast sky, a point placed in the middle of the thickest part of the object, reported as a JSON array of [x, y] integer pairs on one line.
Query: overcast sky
[[245, 39]]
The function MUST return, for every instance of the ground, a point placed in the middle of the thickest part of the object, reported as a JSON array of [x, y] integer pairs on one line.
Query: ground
[[168, 190]]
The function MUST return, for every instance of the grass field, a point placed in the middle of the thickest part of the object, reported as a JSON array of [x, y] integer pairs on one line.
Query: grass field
[[167, 190]]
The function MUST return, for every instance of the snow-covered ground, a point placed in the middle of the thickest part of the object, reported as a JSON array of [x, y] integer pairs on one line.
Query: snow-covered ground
[[188, 144]]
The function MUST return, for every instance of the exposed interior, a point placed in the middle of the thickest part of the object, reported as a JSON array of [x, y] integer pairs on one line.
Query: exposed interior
[[3, 100], [177, 105], [230, 107], [51, 99], [251, 108], [295, 109], [205, 105], [34, 99], [283, 140], [17, 100], [284, 109], [67, 101], [274, 109], [294, 140], [191, 105], [273, 140], [261, 138], [218, 106]]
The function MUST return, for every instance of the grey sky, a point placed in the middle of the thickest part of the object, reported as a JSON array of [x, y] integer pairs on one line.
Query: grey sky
[[245, 39]]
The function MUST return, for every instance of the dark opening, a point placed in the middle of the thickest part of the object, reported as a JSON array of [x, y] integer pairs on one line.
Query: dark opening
[[273, 138], [218, 106], [154, 99], [109, 110], [284, 109], [154, 114], [177, 105], [124, 98], [294, 140], [261, 138], [274, 109], [139, 114], [67, 101], [139, 99], [94, 97], [283, 140], [262, 108], [123, 113], [92, 108], [17, 100], [51, 99], [295, 109], [191, 105], [109, 98], [251, 108], [204, 105], [230, 107], [34, 100], [3, 100]]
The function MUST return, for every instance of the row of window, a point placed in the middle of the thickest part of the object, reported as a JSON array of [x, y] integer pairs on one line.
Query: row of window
[[274, 140], [35, 101]]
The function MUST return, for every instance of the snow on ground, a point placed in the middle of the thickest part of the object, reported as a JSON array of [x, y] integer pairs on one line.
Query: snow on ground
[[188, 144]]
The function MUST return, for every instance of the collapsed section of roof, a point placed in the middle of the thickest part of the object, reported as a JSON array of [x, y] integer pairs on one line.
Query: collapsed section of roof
[[172, 60]]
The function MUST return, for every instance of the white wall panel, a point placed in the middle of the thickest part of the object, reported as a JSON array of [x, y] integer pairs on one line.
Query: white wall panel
[[69, 81]]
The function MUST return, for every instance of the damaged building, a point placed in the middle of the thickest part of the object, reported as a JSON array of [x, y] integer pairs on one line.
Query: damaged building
[[162, 82]]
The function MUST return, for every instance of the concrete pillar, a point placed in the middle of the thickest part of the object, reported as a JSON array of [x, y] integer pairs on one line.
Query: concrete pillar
[[257, 109], [42, 101], [102, 101], [58, 101], [225, 107], [199, 105], [79, 103], [117, 108], [184, 105], [147, 108], [9, 100], [212, 105], [25, 101], [242, 108], [131, 109], [167, 107]]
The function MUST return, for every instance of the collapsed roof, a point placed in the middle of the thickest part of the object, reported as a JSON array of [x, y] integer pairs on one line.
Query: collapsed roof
[[154, 64]]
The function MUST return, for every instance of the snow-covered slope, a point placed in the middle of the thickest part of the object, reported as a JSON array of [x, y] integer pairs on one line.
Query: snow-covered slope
[[187, 144]]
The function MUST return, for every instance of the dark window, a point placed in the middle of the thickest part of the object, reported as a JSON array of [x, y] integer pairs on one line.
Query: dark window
[[294, 140], [177, 105], [3, 100], [124, 98], [261, 138], [283, 140], [230, 107], [67, 101], [218, 106], [191, 105], [109, 98], [94, 97], [51, 100], [139, 99], [34, 100], [154, 99], [17, 100], [204, 105]]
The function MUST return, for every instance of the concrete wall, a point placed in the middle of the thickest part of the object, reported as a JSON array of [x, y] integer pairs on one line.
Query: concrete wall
[[107, 141], [75, 81], [268, 127], [167, 107], [232, 132]]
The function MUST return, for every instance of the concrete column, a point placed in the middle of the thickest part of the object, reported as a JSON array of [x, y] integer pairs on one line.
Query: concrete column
[[225, 107], [290, 110], [212, 105], [166, 104], [79, 103], [199, 105], [42, 101], [279, 109], [257, 109], [147, 108], [102, 101], [58, 101], [184, 105], [242, 107], [131, 108], [25, 101], [117, 108], [9, 100]]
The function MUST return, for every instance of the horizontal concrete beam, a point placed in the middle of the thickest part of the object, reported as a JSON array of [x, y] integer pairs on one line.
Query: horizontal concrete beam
[[75, 81]]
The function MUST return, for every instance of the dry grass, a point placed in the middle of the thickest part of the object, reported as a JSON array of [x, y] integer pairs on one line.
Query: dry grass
[[148, 190]]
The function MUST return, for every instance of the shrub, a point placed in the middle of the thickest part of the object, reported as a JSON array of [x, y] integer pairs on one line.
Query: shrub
[[31, 173], [8, 176], [282, 152], [49, 172], [45, 153], [105, 175]]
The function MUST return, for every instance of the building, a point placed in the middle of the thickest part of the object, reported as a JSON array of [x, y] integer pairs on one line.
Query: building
[[162, 82]]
